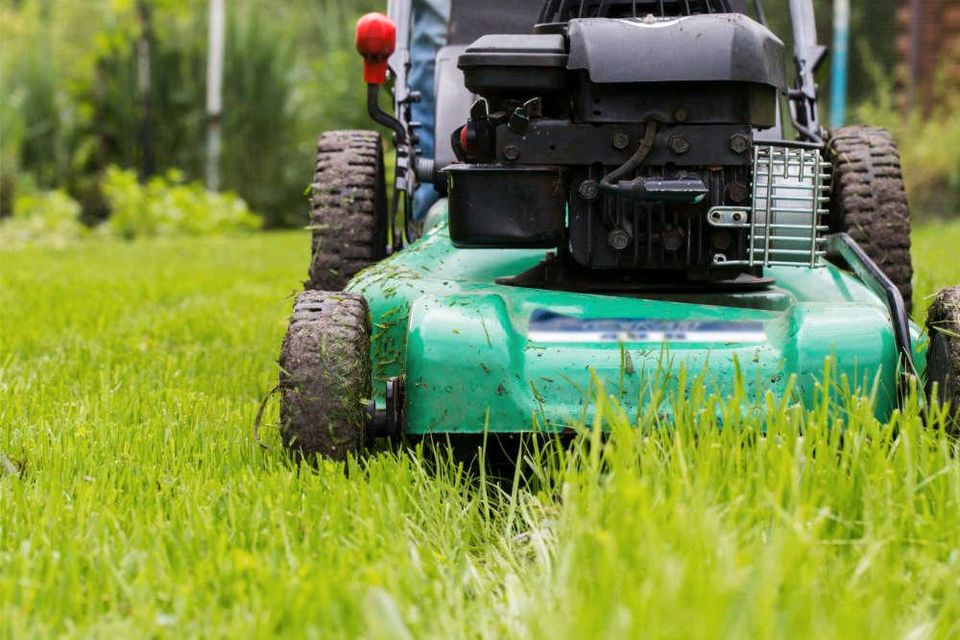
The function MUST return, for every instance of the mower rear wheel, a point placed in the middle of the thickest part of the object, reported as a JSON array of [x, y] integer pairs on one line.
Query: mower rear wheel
[[348, 214], [869, 201], [943, 356], [325, 375]]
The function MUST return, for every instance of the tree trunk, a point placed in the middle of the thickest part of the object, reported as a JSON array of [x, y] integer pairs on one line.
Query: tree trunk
[[217, 29], [145, 89], [8, 182]]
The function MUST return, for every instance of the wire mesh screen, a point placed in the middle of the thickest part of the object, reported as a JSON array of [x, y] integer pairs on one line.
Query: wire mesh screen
[[791, 187]]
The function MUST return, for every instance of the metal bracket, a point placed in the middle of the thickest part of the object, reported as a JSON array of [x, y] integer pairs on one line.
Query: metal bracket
[[729, 217]]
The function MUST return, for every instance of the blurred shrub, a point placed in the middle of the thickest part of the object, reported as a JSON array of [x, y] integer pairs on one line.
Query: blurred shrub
[[166, 205], [929, 145], [260, 159], [49, 218]]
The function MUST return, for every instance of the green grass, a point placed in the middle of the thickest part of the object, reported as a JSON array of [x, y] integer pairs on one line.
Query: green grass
[[129, 378]]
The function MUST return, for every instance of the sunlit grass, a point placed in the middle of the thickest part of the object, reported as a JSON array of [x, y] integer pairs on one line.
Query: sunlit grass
[[129, 378]]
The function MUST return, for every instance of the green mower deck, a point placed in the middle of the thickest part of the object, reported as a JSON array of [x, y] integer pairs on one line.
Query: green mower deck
[[476, 355]]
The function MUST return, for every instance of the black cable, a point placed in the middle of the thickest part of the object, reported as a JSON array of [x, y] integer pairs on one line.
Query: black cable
[[609, 181]]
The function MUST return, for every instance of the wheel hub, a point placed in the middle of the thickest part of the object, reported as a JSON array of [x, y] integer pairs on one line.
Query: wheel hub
[[388, 422]]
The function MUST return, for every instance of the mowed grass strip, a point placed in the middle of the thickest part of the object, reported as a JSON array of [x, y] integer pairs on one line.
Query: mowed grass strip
[[136, 504]]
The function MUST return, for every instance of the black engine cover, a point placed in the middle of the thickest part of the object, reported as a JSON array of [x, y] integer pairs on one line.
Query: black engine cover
[[702, 48], [566, 116]]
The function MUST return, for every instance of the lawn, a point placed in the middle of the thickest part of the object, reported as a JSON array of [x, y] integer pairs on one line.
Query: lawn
[[134, 503]]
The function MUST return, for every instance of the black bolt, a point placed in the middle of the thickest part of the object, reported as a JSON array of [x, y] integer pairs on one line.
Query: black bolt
[[589, 190], [739, 143], [618, 239], [737, 192], [680, 114], [511, 152], [678, 144], [721, 239], [621, 140], [672, 239]]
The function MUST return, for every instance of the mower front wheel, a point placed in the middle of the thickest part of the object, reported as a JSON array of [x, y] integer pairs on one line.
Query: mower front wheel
[[348, 208], [325, 380], [869, 201], [943, 356]]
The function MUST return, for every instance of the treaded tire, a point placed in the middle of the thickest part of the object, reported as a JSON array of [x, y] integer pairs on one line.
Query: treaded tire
[[869, 201], [325, 375], [943, 356], [348, 208]]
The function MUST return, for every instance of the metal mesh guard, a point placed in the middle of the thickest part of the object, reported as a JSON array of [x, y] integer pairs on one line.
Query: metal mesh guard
[[791, 187]]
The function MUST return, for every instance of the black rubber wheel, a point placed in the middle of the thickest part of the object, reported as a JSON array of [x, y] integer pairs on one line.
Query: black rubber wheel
[[869, 201], [348, 214], [325, 375], [943, 356]]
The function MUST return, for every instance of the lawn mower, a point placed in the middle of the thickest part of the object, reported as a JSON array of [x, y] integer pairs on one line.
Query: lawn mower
[[620, 204]]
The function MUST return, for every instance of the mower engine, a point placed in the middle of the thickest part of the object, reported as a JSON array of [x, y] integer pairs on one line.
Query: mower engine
[[629, 145]]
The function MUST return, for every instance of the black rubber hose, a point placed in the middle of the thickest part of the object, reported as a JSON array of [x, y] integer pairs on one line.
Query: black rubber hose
[[609, 181]]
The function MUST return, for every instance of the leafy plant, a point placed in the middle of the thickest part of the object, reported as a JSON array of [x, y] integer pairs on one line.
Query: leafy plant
[[167, 205], [49, 218]]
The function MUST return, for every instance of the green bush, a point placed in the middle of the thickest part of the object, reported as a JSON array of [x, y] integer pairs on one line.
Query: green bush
[[48, 218], [166, 205]]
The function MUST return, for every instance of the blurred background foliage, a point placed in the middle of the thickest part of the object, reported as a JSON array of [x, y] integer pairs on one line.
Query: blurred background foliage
[[72, 105]]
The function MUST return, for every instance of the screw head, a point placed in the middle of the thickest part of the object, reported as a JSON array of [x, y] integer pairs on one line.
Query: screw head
[[739, 143], [618, 239], [678, 144], [621, 140], [511, 152], [589, 190], [680, 114]]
